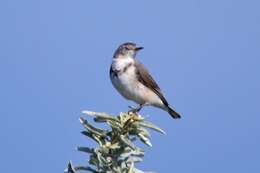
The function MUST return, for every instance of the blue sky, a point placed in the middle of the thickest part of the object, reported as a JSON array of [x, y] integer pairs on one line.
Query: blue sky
[[54, 63]]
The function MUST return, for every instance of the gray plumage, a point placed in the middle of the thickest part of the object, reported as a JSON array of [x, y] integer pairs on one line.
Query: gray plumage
[[133, 81]]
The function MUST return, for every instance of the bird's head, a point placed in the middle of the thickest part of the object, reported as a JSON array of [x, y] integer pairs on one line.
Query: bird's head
[[127, 50]]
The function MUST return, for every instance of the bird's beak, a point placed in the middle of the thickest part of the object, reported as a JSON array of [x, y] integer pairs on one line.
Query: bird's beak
[[138, 48]]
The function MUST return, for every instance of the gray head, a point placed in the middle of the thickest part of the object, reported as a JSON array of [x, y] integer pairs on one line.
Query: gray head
[[127, 49]]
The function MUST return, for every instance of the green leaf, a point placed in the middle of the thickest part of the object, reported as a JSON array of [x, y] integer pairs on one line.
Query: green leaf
[[133, 159], [100, 115], [92, 129], [139, 153], [86, 149], [95, 138], [93, 160], [131, 169], [115, 125], [70, 168], [114, 146], [151, 126], [85, 168], [145, 140], [144, 132], [127, 142]]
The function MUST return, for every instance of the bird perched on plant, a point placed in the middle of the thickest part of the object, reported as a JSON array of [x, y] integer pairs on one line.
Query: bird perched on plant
[[133, 81]]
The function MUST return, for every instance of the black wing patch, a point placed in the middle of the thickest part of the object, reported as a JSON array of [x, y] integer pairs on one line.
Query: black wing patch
[[113, 72]]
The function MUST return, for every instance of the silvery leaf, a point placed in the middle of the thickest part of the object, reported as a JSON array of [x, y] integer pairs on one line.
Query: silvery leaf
[[101, 115], [70, 168], [145, 140], [86, 149], [127, 142], [92, 129], [151, 126], [92, 136]]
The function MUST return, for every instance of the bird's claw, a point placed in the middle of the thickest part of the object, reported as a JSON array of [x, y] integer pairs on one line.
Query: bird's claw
[[131, 107], [134, 110]]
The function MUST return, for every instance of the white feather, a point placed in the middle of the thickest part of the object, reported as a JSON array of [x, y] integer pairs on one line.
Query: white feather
[[128, 85]]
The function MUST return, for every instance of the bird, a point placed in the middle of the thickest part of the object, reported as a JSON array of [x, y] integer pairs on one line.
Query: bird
[[134, 82]]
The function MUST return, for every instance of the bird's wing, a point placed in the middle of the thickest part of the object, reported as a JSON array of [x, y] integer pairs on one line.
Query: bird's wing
[[146, 79]]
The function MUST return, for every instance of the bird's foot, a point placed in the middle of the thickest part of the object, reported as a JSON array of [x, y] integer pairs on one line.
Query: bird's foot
[[135, 110]]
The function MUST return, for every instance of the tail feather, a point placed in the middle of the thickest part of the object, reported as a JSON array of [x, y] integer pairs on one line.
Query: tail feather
[[173, 113]]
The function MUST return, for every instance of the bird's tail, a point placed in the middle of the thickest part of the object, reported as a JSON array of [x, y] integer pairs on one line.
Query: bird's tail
[[173, 113]]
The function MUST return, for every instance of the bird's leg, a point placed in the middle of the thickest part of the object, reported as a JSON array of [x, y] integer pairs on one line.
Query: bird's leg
[[135, 110], [139, 107]]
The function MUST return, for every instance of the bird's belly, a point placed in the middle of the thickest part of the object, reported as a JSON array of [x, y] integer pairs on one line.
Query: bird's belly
[[127, 87], [130, 88]]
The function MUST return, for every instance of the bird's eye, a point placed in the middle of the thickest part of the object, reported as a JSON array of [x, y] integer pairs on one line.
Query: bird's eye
[[126, 48]]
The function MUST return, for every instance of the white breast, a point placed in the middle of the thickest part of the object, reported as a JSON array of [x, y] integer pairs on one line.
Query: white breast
[[125, 81], [120, 63], [128, 85]]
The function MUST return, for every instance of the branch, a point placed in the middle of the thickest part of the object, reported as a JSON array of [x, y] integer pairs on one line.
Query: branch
[[116, 151]]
